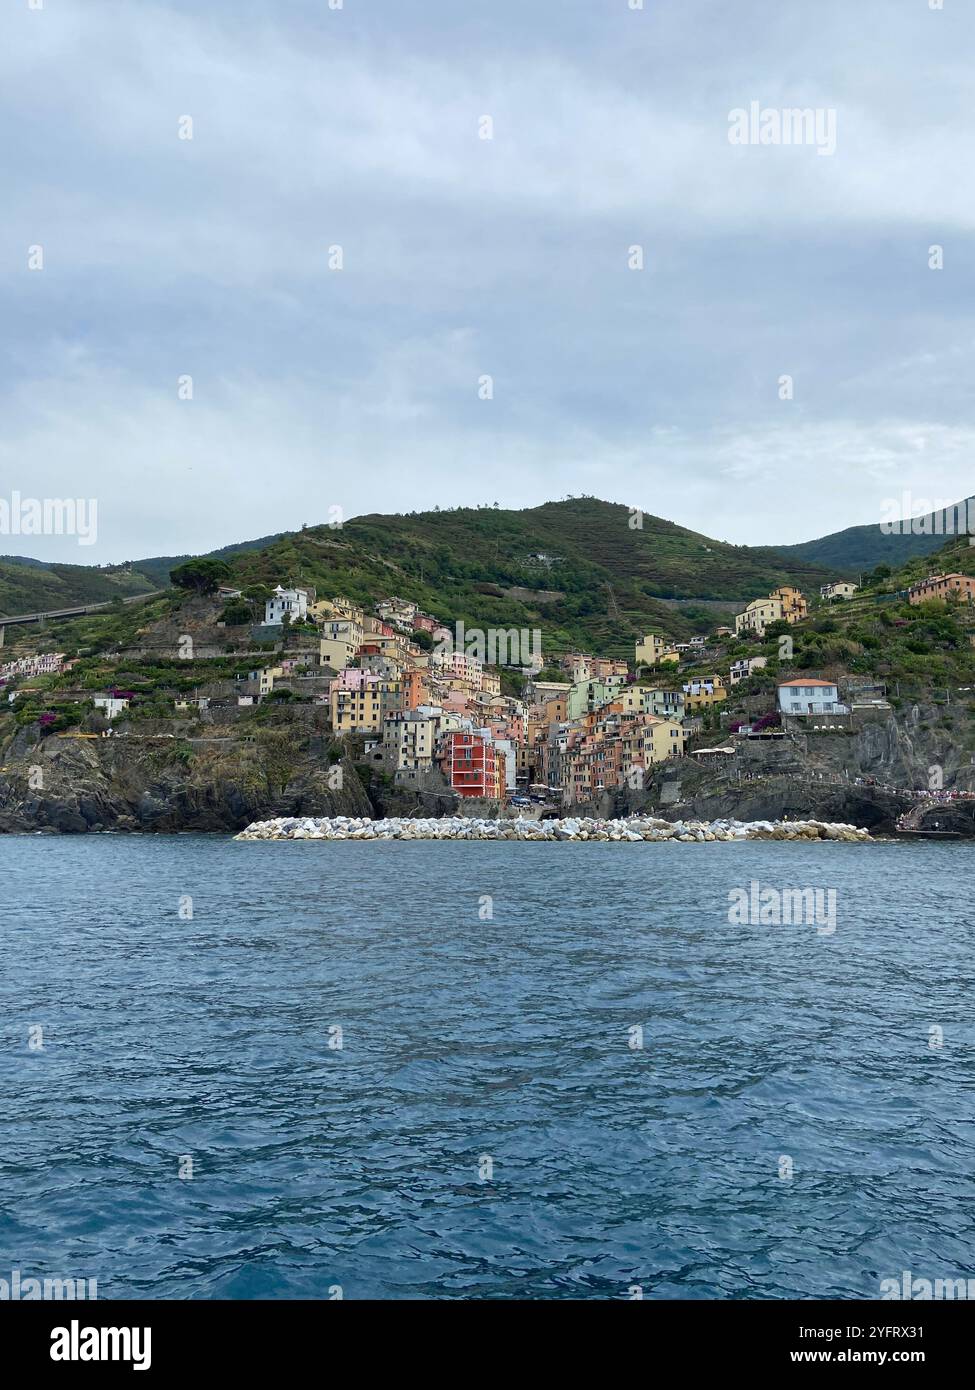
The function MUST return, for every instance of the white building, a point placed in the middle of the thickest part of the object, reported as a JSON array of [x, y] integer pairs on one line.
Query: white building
[[505, 746], [841, 589], [292, 603], [810, 696], [110, 706], [747, 666]]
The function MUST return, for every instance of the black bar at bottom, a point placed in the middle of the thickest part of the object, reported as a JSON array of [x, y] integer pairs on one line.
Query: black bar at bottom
[[251, 1337]]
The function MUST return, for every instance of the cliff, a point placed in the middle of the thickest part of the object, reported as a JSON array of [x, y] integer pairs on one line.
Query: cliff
[[73, 785]]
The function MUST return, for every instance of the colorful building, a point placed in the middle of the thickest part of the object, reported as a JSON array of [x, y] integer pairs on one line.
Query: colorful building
[[700, 694], [785, 604], [471, 764], [339, 642], [359, 702], [650, 650], [942, 586]]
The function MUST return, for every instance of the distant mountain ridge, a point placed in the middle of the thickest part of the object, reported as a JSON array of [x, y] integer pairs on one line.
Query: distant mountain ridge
[[31, 586], [585, 571], [590, 571], [858, 549]]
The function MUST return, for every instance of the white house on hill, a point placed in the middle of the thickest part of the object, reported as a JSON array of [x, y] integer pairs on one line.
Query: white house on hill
[[810, 696], [293, 602]]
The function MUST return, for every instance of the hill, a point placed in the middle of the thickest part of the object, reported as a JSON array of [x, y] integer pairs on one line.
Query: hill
[[586, 572], [862, 548], [577, 569], [29, 586], [32, 586], [157, 568], [919, 652]]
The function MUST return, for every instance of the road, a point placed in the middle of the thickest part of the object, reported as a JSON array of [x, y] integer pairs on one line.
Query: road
[[74, 612]]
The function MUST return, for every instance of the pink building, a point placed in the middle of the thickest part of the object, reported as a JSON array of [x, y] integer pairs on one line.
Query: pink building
[[354, 679]]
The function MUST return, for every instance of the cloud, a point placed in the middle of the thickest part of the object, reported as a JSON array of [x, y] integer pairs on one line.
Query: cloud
[[462, 256]]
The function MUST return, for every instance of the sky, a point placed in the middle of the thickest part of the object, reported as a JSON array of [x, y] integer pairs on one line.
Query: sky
[[181, 345]]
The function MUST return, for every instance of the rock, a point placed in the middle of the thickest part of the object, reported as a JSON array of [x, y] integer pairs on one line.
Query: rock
[[572, 829]]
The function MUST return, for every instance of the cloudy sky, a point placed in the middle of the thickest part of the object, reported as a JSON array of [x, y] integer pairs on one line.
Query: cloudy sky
[[362, 127]]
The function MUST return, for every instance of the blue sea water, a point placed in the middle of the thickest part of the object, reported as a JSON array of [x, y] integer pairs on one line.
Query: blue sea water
[[486, 1129]]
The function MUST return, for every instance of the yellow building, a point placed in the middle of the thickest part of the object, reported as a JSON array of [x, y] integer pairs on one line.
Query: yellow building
[[394, 648], [364, 707], [263, 679], [651, 649], [339, 643], [335, 608], [758, 615], [650, 740], [794, 606], [701, 693], [785, 604]]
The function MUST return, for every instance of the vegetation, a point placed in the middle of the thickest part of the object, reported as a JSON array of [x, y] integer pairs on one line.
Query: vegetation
[[576, 570], [860, 548], [26, 586], [200, 576], [920, 652]]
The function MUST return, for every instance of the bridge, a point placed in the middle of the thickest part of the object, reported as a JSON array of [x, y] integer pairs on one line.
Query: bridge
[[79, 612]]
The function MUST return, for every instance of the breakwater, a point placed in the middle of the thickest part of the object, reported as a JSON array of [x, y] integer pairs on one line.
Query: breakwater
[[643, 828]]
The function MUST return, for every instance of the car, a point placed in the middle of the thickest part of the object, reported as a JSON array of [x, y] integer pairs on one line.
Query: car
[[520, 801]]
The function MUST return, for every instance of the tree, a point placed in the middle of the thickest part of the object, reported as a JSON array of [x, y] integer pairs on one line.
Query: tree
[[237, 612], [200, 576]]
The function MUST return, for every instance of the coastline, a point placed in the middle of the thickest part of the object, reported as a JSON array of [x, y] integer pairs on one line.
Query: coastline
[[633, 829]]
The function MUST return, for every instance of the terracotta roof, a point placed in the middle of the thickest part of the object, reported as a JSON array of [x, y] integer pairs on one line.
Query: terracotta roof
[[808, 681]]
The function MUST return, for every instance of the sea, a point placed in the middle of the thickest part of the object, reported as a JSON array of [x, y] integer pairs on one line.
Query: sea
[[443, 1070]]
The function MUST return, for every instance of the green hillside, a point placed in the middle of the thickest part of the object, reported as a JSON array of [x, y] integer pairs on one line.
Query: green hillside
[[31, 586], [157, 568], [576, 569], [862, 548], [28, 586], [920, 652]]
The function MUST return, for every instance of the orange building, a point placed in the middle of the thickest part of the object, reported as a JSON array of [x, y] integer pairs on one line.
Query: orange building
[[416, 689], [942, 586]]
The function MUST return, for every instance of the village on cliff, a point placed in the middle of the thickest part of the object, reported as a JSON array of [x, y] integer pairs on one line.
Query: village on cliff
[[488, 715]]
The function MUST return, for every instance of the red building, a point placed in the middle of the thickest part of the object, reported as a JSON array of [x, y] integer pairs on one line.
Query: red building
[[471, 764]]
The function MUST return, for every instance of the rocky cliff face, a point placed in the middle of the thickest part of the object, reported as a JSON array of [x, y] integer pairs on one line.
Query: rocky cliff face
[[832, 776], [73, 785]]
